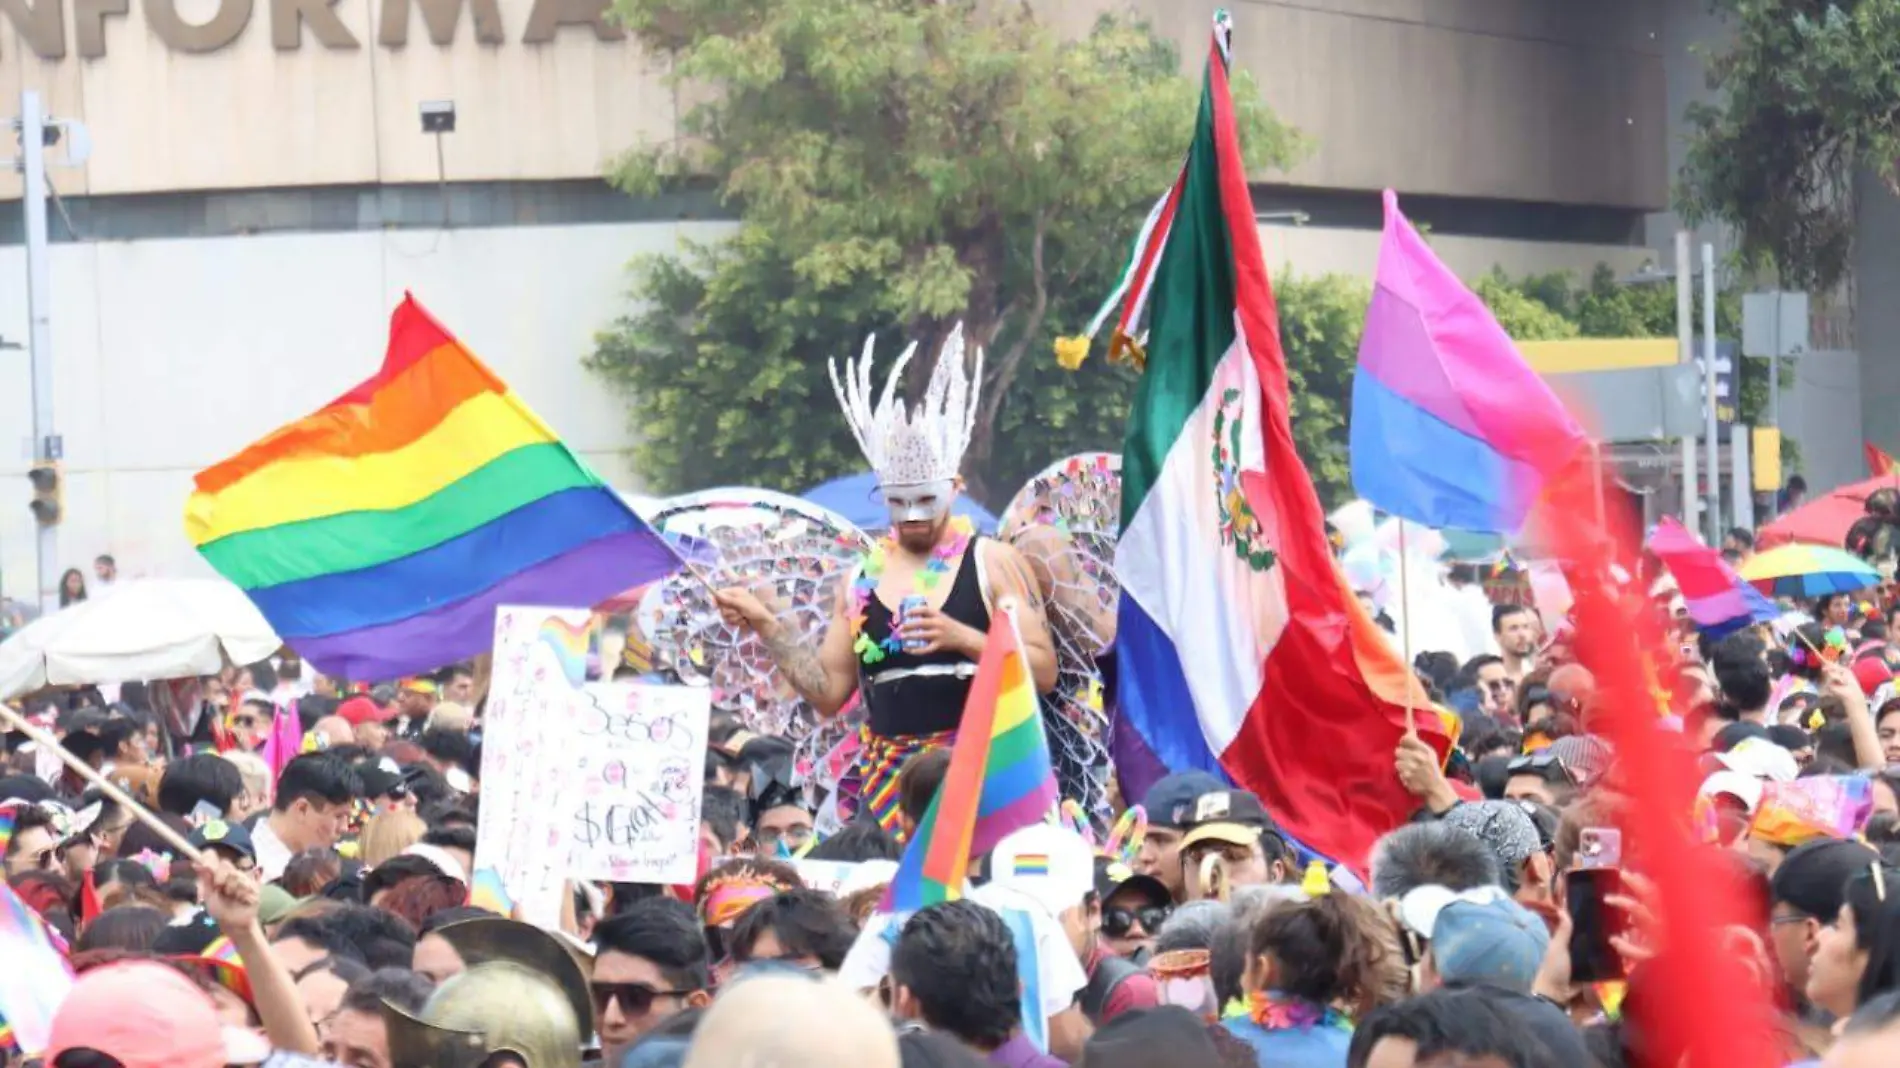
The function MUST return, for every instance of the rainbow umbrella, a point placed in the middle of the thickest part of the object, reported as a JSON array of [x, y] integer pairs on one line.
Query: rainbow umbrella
[[1808, 571]]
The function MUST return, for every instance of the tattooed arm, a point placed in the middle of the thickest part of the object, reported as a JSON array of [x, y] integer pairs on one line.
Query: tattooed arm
[[1011, 579], [824, 673]]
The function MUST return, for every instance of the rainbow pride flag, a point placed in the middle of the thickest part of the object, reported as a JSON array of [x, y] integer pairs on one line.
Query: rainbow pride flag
[[378, 534], [1000, 779], [36, 977], [487, 892]]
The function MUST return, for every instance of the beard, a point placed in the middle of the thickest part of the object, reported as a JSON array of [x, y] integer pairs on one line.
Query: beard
[[920, 538]]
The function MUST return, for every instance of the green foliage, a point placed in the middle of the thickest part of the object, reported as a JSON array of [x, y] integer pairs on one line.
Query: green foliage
[[897, 167], [1320, 322], [1809, 92]]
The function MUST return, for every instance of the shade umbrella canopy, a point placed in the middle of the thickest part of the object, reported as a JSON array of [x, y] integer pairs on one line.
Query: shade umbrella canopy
[[855, 497], [1824, 520], [1808, 571], [138, 630]]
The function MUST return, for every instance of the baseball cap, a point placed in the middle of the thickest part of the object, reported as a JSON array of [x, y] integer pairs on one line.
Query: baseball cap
[[1051, 864], [1744, 788], [1813, 876], [1500, 825], [147, 1015], [1585, 756], [1870, 672], [1233, 816], [1762, 759], [231, 836], [360, 710], [1112, 877], [1735, 734], [380, 776], [274, 903], [1170, 801], [1479, 935]]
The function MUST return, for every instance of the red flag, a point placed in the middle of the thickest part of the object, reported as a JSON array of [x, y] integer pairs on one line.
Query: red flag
[[1699, 903], [89, 908]]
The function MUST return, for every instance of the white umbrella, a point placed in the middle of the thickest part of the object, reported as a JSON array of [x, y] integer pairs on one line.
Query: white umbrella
[[137, 630]]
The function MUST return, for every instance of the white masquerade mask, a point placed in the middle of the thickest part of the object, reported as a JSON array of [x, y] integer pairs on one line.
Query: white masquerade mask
[[920, 503]]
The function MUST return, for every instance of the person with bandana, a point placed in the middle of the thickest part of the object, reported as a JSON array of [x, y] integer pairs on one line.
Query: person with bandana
[[910, 620]]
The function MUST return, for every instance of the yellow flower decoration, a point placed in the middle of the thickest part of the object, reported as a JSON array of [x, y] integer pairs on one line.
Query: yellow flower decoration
[[1315, 883], [1071, 352]]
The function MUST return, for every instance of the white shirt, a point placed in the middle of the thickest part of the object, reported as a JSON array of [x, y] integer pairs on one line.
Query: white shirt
[[1060, 975], [273, 856]]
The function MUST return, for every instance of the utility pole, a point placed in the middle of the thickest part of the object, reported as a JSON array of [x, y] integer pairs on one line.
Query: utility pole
[[36, 133], [1685, 338], [1709, 384]]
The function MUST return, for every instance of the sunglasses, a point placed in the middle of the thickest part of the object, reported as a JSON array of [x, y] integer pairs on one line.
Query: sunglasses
[[1117, 922], [636, 999], [1539, 763]]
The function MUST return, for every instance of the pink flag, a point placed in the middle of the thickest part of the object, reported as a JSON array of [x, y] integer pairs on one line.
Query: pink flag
[[284, 741]]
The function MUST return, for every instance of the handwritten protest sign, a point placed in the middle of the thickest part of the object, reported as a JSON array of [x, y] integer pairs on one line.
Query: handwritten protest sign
[[527, 731], [641, 756]]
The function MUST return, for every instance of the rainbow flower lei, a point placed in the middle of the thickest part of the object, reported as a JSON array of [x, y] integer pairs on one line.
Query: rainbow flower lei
[[871, 571]]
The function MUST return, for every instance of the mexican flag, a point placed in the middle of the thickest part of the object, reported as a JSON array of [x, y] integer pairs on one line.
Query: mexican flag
[[1240, 648]]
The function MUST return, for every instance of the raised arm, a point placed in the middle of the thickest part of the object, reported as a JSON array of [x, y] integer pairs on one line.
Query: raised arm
[[1011, 580], [823, 673]]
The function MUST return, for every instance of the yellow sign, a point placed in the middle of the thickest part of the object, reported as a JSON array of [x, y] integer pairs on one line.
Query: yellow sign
[[1765, 453], [1599, 354]]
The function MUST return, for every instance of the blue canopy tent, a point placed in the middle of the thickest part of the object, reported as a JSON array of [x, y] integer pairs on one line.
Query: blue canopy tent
[[855, 497]]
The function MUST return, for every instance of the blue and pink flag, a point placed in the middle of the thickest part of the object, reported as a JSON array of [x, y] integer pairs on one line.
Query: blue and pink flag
[[1450, 427], [1718, 600]]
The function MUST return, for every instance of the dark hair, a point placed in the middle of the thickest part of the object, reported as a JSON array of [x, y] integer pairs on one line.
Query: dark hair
[[1454, 1021], [133, 927], [427, 785], [1876, 930], [665, 933], [958, 960], [919, 781], [1439, 668], [1874, 630], [1426, 854], [439, 815], [1741, 536], [1502, 612], [415, 900], [311, 870], [317, 777], [27, 818], [396, 871], [25, 788], [1321, 949], [441, 918], [115, 732], [462, 838], [724, 810], [807, 923], [398, 986], [348, 969], [317, 930], [448, 746], [861, 840], [263, 675], [117, 871], [200, 777], [1468, 674]]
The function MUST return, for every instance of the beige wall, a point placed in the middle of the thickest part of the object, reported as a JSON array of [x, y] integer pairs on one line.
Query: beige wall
[[1534, 100]]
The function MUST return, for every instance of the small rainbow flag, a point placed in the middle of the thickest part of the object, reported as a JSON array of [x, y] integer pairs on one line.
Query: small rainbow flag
[[487, 892], [1000, 779], [36, 977], [378, 534], [1031, 864]]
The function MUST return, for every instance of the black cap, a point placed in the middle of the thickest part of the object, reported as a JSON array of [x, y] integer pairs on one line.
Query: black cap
[[1228, 806], [1170, 802], [1112, 877], [1813, 877], [1790, 737], [380, 777], [1735, 733], [223, 835]]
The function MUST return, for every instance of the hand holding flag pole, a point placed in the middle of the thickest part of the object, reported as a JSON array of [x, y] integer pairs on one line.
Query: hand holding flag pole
[[15, 721]]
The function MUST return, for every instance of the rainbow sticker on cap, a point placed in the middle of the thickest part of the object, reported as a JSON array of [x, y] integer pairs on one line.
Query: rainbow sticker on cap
[[1030, 864]]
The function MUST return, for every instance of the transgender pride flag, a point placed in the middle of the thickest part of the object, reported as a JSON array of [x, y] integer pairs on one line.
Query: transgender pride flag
[[1240, 650], [1450, 427]]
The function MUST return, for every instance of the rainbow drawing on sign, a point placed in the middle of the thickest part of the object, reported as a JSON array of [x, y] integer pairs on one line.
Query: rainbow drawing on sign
[[569, 643]]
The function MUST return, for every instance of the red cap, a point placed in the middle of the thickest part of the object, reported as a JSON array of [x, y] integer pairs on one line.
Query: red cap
[[1871, 671], [360, 710], [141, 1014]]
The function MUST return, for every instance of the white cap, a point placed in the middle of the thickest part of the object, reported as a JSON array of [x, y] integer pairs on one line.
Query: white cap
[[1051, 864], [1745, 788], [1420, 906], [1762, 759], [440, 858]]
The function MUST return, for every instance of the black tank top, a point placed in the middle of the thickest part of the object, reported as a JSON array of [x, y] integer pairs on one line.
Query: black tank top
[[922, 704]]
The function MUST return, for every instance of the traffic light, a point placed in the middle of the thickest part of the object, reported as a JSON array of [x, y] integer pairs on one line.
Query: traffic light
[[46, 493]]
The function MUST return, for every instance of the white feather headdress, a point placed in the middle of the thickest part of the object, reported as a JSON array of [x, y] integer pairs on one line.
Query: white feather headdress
[[906, 446]]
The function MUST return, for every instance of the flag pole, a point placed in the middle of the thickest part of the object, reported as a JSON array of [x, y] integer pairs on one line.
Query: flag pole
[[1405, 631], [85, 771]]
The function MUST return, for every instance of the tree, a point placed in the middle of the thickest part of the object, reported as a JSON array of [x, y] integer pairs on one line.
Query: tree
[[898, 166], [1809, 96]]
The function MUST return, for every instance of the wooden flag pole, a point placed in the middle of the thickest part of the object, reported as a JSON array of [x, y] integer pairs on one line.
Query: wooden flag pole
[[85, 771], [1405, 632]]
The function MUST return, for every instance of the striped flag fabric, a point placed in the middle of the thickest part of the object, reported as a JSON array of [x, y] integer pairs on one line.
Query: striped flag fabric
[[378, 534], [1450, 427], [1240, 649], [1000, 778], [36, 977], [1718, 600]]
